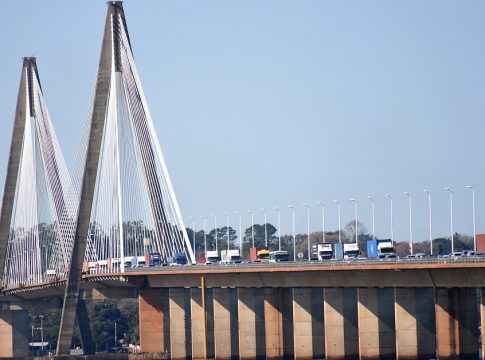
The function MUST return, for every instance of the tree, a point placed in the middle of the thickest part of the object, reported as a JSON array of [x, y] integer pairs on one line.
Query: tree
[[259, 238], [350, 229]]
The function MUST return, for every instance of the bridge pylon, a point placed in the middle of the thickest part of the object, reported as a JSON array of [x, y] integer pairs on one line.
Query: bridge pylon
[[38, 206], [127, 204]]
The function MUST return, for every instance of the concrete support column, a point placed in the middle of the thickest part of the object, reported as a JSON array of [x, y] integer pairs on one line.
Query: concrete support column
[[376, 323], [14, 333], [251, 323], [482, 319], [154, 320], [226, 340], [308, 323], [180, 325], [197, 322], [340, 313], [457, 323], [278, 319], [415, 323]]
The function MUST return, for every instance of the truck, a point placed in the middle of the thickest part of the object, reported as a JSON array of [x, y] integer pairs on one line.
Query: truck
[[278, 256], [351, 251], [314, 252], [177, 259], [259, 254], [325, 251], [153, 259], [212, 257], [380, 249], [230, 257]]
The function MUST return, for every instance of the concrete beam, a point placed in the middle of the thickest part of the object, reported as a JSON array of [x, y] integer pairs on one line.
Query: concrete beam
[[376, 323], [226, 339], [341, 333], [415, 323], [14, 333], [278, 320], [197, 322], [457, 323], [180, 323], [154, 320], [251, 324]]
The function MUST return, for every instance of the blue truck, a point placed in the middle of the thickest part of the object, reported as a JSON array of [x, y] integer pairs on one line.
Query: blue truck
[[380, 249], [177, 259], [338, 251]]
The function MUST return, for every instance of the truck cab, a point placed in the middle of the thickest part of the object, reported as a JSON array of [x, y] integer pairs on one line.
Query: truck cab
[[325, 251], [351, 251], [212, 257]]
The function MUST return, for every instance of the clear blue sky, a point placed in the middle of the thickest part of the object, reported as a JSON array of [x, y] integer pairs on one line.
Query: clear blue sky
[[269, 103]]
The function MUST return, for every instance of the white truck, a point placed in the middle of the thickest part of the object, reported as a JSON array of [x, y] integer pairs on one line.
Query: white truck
[[385, 249], [351, 251], [325, 251], [212, 257], [230, 257]]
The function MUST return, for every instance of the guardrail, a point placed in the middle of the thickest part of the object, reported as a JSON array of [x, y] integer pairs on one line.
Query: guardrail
[[326, 263]]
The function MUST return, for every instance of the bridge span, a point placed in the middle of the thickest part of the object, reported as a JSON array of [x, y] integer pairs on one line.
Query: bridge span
[[349, 310]]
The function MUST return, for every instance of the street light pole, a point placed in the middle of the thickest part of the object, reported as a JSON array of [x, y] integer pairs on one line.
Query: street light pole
[[356, 230], [389, 196], [279, 228], [451, 219], [252, 226], [336, 202], [410, 222], [265, 232], [323, 219], [294, 240], [215, 226], [193, 231], [42, 332], [227, 229], [372, 201], [474, 218], [240, 232], [205, 237], [430, 220], [308, 228]]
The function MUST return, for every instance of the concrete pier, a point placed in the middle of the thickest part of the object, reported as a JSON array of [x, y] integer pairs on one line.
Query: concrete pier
[[313, 323], [14, 333], [340, 314], [456, 323], [376, 323]]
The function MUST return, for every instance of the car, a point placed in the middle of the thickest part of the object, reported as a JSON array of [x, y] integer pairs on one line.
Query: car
[[410, 256], [420, 255]]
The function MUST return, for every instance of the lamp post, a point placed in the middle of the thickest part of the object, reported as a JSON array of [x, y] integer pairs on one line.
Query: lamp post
[[240, 231], [308, 228], [336, 202], [193, 231], [279, 227], [410, 222], [389, 196], [323, 219], [116, 339], [252, 226], [451, 218], [430, 220], [265, 232], [474, 217], [227, 229], [215, 226], [356, 230], [372, 203], [205, 236], [42, 333], [294, 240]]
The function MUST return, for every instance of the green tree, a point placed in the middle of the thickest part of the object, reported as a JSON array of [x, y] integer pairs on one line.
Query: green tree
[[259, 238]]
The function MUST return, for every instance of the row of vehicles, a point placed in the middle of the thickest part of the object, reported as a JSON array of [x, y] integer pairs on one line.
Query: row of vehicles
[[376, 249]]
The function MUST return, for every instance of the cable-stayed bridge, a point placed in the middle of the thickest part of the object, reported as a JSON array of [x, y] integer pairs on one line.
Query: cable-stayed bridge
[[120, 204]]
